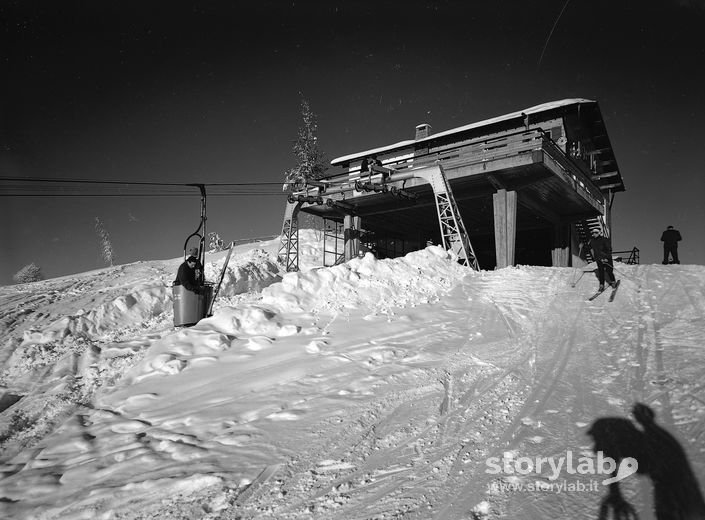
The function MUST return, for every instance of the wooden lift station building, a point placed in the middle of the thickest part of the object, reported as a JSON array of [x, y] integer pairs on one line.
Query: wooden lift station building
[[521, 188]]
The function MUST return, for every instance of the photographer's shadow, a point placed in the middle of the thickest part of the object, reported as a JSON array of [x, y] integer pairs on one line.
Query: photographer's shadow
[[659, 456]]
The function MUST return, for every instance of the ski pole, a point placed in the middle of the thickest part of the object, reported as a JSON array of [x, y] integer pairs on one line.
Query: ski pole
[[624, 275], [579, 278], [572, 284], [634, 280]]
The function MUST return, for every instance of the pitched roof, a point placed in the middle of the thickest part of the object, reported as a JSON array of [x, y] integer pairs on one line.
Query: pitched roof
[[544, 107]]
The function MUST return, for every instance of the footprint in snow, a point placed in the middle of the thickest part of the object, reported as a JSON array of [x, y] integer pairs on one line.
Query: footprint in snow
[[316, 346], [286, 415], [258, 342], [129, 427], [140, 399], [233, 440], [202, 361]]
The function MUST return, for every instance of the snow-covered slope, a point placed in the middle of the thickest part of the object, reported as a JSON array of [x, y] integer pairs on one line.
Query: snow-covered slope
[[373, 389]]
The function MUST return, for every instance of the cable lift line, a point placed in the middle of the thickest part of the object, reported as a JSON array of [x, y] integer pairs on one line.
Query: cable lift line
[[134, 195], [93, 181], [44, 187]]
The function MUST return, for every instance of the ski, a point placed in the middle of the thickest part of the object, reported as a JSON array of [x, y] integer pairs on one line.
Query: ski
[[598, 293], [256, 484], [614, 290], [220, 278]]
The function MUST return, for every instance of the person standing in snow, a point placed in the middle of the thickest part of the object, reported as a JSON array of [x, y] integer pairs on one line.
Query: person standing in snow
[[602, 253], [187, 275], [670, 239]]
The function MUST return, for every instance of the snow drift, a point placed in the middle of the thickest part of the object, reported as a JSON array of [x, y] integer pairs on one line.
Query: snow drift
[[373, 389]]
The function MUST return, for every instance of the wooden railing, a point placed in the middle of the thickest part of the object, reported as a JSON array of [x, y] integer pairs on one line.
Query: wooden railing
[[632, 259], [494, 148], [473, 152]]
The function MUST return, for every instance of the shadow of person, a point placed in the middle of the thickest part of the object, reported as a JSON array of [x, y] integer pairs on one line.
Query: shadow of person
[[659, 456], [618, 439], [677, 493]]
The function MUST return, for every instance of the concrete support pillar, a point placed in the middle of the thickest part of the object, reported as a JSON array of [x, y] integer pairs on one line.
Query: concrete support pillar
[[560, 253], [505, 224], [351, 232]]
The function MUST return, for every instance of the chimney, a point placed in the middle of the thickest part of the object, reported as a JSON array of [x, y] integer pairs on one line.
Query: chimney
[[423, 130]]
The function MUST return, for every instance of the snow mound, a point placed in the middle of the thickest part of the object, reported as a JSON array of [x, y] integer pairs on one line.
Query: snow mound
[[143, 303], [372, 389], [247, 272], [380, 285]]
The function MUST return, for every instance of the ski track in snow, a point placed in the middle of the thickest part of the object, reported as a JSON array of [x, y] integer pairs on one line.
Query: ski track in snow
[[372, 390]]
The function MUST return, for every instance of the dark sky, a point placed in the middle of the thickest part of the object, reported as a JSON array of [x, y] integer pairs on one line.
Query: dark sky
[[209, 91]]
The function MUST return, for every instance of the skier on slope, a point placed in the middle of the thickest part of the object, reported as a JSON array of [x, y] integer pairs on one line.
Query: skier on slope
[[602, 253]]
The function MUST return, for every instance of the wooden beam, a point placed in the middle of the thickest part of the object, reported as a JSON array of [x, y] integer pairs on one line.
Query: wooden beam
[[505, 216], [560, 253], [499, 183], [511, 225], [540, 209], [495, 182], [352, 236], [605, 175], [610, 186]]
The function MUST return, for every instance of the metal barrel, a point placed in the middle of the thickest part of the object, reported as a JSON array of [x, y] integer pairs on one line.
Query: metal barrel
[[189, 307]]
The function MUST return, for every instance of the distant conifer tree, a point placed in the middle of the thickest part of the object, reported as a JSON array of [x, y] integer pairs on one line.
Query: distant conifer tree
[[106, 247], [310, 159], [29, 273]]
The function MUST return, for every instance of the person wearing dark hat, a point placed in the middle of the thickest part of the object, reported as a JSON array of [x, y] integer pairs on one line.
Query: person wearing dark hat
[[199, 266], [365, 166], [187, 275], [602, 253], [670, 239]]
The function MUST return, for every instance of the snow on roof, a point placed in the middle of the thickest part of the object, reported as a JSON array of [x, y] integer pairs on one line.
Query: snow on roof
[[401, 144]]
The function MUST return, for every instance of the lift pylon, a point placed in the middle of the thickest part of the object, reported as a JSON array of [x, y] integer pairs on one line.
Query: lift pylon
[[288, 254], [453, 233]]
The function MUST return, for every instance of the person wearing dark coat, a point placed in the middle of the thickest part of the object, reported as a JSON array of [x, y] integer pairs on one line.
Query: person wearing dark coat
[[365, 166], [602, 253], [670, 239], [199, 266], [187, 275]]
